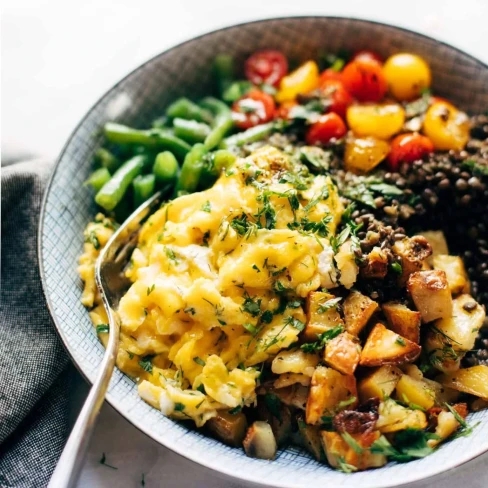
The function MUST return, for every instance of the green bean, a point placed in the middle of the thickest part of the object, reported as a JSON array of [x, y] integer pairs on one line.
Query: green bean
[[165, 167], [191, 169], [222, 122], [253, 134], [143, 186], [113, 191], [219, 160], [107, 159], [160, 122], [236, 90], [157, 138], [224, 71], [186, 109], [190, 130], [98, 178]]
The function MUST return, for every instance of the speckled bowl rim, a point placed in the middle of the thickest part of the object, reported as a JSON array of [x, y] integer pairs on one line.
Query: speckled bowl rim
[[219, 469]]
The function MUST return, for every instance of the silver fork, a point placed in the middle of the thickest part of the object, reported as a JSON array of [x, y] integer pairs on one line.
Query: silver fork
[[112, 284]]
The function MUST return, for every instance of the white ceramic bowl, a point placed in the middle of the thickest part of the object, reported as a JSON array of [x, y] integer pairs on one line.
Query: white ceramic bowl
[[140, 97]]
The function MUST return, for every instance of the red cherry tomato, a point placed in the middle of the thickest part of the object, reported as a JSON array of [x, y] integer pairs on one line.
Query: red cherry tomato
[[254, 108], [266, 67], [408, 148], [329, 126], [339, 97], [329, 74], [365, 54], [365, 80], [283, 111]]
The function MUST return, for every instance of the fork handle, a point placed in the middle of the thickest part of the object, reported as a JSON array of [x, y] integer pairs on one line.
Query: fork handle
[[71, 461]]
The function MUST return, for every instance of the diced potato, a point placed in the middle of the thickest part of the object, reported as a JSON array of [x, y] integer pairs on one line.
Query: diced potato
[[472, 380], [394, 417], [295, 395], [402, 320], [346, 264], [437, 242], [279, 418], [383, 346], [380, 383], [455, 271], [342, 353], [413, 371], [446, 426], [295, 361], [450, 338], [330, 392], [320, 317], [311, 439], [259, 441], [417, 392], [338, 451], [376, 264], [228, 428], [358, 309], [430, 292], [288, 379], [412, 251]]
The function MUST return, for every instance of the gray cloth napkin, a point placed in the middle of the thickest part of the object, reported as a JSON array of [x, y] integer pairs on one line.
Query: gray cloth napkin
[[34, 379]]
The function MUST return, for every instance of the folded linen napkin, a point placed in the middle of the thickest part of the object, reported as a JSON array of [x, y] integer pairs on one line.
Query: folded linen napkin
[[34, 379]]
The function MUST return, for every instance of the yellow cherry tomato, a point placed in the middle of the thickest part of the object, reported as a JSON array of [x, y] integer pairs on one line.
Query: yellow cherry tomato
[[302, 80], [446, 126], [407, 75], [363, 154], [381, 121]]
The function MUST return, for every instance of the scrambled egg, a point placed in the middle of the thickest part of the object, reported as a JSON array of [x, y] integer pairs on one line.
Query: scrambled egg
[[219, 281]]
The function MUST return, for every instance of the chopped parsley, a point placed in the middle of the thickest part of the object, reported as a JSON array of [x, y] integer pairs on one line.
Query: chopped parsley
[[252, 307], [353, 444], [465, 428], [401, 341], [199, 361], [386, 189], [170, 254], [256, 268], [179, 407], [296, 323], [146, 363], [323, 338], [267, 317], [102, 328], [150, 289], [252, 329], [397, 268], [207, 207], [329, 305], [93, 239]]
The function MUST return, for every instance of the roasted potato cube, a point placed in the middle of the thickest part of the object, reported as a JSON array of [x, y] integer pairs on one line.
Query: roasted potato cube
[[402, 320], [380, 383], [376, 265], [472, 380], [228, 428], [455, 271], [358, 309], [311, 439], [339, 452], [342, 353], [416, 392], [277, 415], [450, 338], [295, 361], [289, 379], [430, 292], [394, 417], [383, 346], [446, 426], [259, 441], [412, 252], [330, 392], [295, 395], [437, 242], [322, 315]]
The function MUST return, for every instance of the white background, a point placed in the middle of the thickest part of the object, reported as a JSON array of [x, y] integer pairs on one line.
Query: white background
[[59, 57]]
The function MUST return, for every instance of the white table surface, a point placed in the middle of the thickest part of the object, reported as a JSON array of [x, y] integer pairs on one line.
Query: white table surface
[[59, 56]]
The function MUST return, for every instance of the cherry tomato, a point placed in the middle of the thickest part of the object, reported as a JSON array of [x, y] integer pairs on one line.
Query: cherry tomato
[[365, 80], [283, 111], [408, 148], [339, 97], [329, 74], [329, 126], [266, 67], [254, 108], [361, 155], [365, 54]]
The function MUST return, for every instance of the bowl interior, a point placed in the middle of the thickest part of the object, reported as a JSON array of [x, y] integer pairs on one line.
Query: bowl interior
[[136, 100]]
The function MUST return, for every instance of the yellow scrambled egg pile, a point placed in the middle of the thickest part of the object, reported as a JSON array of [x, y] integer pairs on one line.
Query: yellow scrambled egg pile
[[219, 279]]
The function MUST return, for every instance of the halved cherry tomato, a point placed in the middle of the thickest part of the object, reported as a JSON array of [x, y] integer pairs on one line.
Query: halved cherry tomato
[[329, 74], [365, 80], [408, 148], [339, 97], [363, 154], [266, 67], [365, 54], [283, 111], [329, 126], [254, 108]]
